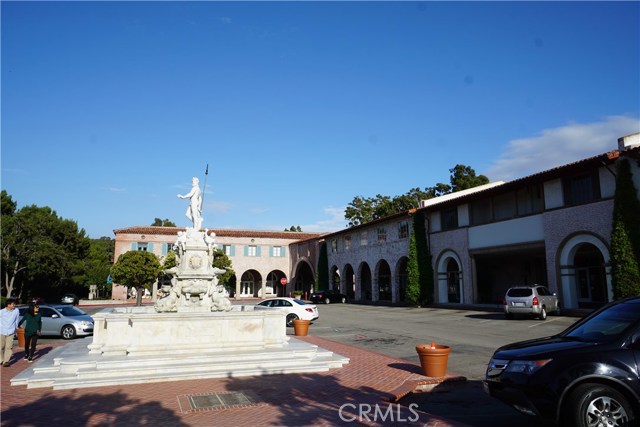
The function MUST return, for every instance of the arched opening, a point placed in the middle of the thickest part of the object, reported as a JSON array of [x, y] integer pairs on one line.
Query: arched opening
[[250, 284], [384, 281], [349, 282], [335, 279], [273, 286], [365, 282], [304, 280], [402, 278], [591, 283], [453, 281]]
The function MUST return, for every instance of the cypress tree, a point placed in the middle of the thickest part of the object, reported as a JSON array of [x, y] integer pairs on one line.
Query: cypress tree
[[420, 272], [322, 275], [625, 235]]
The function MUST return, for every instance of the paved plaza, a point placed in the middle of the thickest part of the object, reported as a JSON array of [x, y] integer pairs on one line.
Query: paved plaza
[[361, 393]]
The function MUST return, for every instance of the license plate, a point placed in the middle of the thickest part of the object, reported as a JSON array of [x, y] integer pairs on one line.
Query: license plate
[[518, 304]]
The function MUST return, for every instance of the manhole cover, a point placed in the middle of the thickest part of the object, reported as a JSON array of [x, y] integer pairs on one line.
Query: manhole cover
[[216, 401]]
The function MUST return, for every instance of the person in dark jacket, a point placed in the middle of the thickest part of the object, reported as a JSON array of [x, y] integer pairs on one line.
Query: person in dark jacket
[[33, 320]]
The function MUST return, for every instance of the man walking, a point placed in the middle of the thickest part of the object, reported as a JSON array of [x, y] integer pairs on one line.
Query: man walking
[[9, 316]]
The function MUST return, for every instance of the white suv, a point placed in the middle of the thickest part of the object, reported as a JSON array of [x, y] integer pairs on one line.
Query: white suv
[[536, 300]]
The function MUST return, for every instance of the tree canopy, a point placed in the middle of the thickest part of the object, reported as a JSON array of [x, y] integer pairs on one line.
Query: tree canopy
[[41, 252], [136, 269], [157, 222], [294, 228], [365, 209]]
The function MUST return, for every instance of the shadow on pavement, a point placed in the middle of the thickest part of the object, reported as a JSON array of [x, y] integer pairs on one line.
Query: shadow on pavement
[[466, 402], [103, 410]]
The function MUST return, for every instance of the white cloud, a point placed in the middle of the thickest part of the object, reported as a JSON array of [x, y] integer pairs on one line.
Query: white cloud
[[225, 20], [114, 189], [217, 206], [558, 146], [335, 222]]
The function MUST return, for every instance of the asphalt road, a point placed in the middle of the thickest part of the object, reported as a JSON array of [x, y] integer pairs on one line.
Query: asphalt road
[[472, 335]]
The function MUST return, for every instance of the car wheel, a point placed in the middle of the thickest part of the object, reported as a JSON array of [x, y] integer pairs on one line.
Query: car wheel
[[327, 300], [597, 404], [291, 318], [543, 314], [68, 332], [343, 300]]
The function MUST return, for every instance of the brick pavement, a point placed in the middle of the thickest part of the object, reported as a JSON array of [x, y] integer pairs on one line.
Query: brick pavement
[[370, 381]]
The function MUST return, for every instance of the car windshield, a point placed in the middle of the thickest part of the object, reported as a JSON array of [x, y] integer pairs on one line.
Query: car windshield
[[70, 311], [519, 292], [607, 325]]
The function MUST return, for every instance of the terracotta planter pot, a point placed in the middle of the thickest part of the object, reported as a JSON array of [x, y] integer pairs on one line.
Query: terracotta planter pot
[[20, 334], [433, 360], [301, 327]]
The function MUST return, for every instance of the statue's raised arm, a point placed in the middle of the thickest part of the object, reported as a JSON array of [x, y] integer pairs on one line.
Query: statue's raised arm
[[194, 211]]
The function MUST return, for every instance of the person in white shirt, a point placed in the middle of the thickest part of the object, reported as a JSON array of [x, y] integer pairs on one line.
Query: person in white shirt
[[9, 316]]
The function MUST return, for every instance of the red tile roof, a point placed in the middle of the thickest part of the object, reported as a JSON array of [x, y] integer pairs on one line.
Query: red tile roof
[[220, 232]]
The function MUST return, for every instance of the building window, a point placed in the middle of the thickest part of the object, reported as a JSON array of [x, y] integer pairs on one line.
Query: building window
[[530, 200], [481, 211], [382, 234], [347, 243], [581, 188], [364, 240], [144, 247], [504, 206], [252, 250], [449, 218], [403, 230], [276, 251], [226, 249], [334, 246]]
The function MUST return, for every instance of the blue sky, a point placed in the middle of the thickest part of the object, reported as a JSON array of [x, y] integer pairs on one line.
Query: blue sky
[[109, 108]]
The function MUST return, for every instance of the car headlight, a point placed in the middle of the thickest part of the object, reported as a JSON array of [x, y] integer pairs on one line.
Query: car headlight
[[526, 366], [86, 324]]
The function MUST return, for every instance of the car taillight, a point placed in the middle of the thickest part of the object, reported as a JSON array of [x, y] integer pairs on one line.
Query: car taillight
[[309, 310], [535, 301]]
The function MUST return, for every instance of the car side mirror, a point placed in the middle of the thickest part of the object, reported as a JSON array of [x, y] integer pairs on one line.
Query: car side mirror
[[54, 316]]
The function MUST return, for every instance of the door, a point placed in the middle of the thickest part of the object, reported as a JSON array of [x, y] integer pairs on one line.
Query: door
[[50, 325]]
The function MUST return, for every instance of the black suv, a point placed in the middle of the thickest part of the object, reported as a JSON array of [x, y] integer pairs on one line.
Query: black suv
[[588, 375], [328, 296]]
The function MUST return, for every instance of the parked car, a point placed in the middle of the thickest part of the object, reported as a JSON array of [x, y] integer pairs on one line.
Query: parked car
[[295, 308], [328, 296], [587, 375], [63, 320], [531, 300], [70, 299]]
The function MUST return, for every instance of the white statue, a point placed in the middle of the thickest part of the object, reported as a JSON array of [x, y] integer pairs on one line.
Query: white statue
[[194, 211]]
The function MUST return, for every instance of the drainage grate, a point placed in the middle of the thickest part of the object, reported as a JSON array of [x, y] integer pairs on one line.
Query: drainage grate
[[217, 401]]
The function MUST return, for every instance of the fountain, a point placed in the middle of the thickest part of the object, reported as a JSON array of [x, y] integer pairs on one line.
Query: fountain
[[192, 332]]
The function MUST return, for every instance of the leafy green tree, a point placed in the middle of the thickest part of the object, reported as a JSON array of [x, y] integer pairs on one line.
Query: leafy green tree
[[366, 209], [322, 275], [136, 269], [221, 260], [625, 235], [420, 283], [294, 228], [97, 264], [42, 253], [8, 205], [157, 222]]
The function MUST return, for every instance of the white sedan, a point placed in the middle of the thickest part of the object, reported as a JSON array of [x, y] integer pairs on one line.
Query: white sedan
[[295, 308]]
